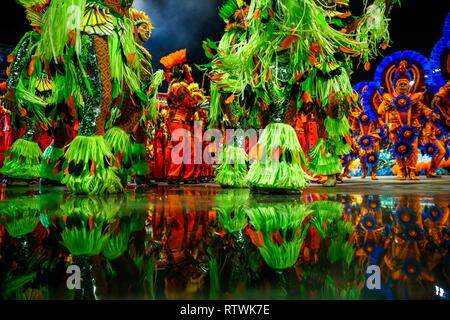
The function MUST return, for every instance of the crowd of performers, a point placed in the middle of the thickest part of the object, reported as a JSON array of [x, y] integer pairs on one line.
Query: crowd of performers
[[229, 245], [399, 112], [293, 79], [80, 106], [82, 88]]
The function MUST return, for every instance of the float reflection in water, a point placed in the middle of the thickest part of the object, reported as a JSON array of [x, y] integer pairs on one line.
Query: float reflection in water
[[208, 243]]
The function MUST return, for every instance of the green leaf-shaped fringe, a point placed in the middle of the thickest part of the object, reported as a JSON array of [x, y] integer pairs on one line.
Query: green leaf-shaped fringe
[[341, 251], [267, 173], [83, 242], [104, 180], [232, 170], [331, 292], [341, 148], [34, 105], [214, 276], [20, 215], [229, 205], [60, 19], [23, 226], [120, 47], [329, 210], [158, 78], [103, 208], [337, 128], [286, 218], [116, 245], [119, 141], [49, 159], [16, 283], [325, 213], [22, 160], [323, 162], [215, 112], [228, 9], [280, 257], [140, 166]]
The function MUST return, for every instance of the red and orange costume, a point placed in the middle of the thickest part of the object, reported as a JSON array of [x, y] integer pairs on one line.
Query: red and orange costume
[[434, 132], [306, 128], [369, 144], [157, 147], [181, 105]]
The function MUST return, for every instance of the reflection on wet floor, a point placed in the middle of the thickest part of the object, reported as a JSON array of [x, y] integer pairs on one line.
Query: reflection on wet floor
[[212, 243]]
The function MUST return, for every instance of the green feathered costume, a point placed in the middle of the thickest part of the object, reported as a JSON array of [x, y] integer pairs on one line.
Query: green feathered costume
[[28, 91], [226, 110], [99, 40], [290, 56]]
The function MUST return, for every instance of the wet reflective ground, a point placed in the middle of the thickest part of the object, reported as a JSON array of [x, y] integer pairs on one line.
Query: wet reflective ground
[[357, 241]]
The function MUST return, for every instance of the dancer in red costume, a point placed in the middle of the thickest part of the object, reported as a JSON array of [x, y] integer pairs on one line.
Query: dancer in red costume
[[157, 147], [181, 104]]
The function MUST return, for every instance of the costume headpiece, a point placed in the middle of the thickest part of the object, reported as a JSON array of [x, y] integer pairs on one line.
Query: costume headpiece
[[407, 64], [175, 63], [402, 72], [139, 17]]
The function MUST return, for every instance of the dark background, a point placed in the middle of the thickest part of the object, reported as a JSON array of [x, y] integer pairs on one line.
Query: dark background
[[416, 25]]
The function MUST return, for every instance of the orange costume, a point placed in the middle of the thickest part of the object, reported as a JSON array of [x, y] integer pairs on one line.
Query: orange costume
[[369, 144], [432, 135], [402, 110], [306, 129], [181, 103], [158, 145]]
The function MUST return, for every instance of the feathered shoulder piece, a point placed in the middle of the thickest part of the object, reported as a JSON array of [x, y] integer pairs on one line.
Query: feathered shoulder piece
[[28, 4], [97, 20], [35, 10]]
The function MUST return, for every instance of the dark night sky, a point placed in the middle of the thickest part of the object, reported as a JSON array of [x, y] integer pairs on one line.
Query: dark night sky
[[417, 25]]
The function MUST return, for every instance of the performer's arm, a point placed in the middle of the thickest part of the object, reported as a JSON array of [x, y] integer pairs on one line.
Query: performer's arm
[[427, 112]]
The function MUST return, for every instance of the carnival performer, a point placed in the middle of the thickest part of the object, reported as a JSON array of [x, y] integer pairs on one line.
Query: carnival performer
[[199, 125], [97, 49], [401, 111], [157, 146], [369, 144], [132, 115], [348, 159], [181, 103], [28, 88], [433, 134], [440, 85], [281, 66], [229, 111]]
